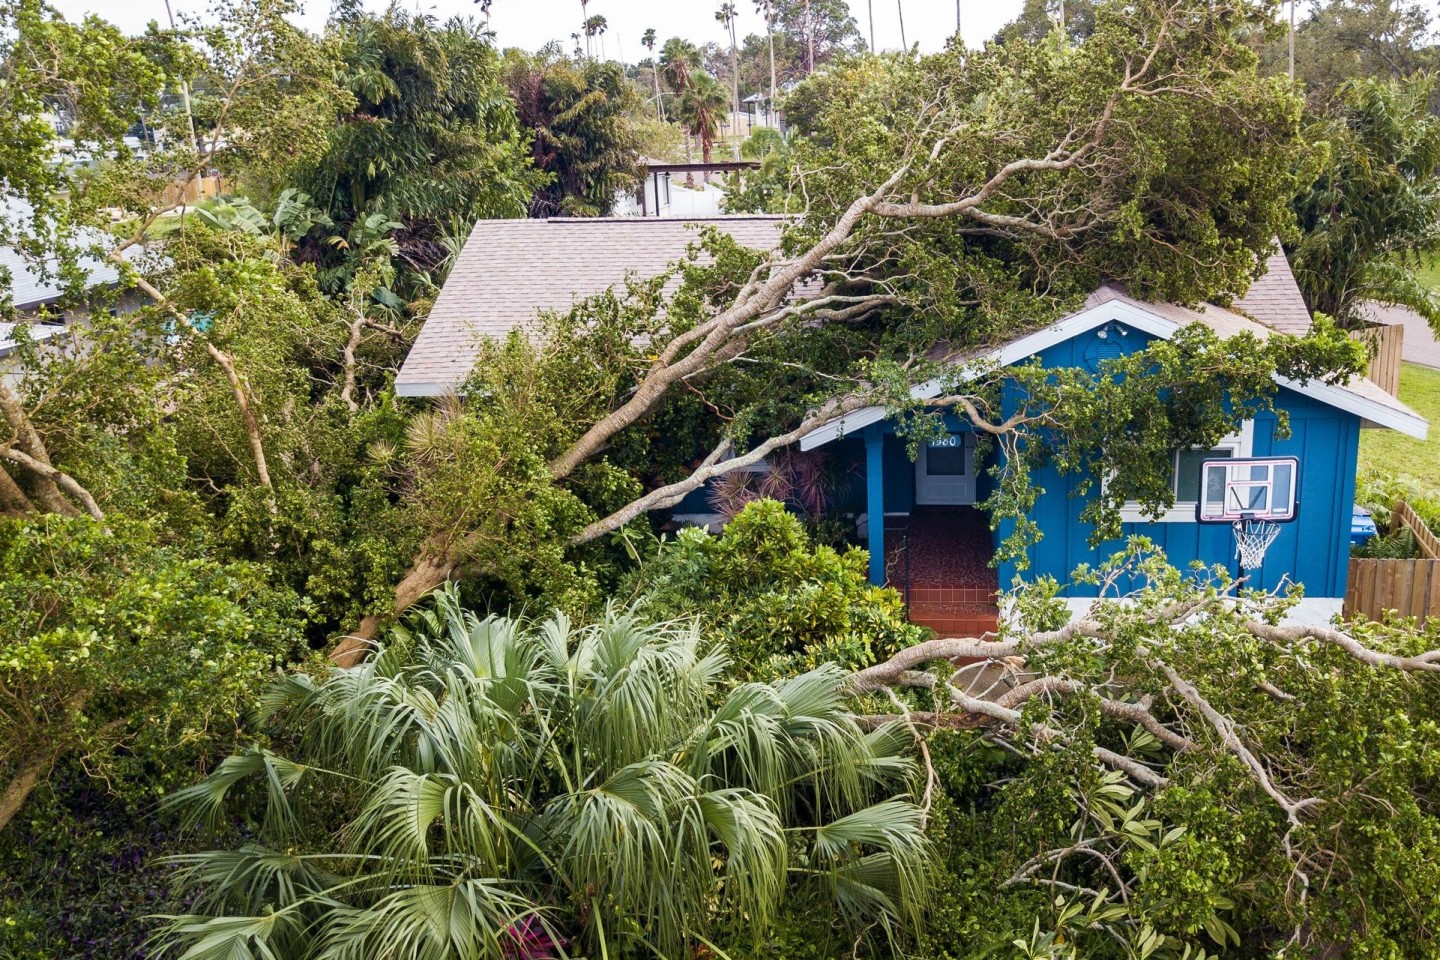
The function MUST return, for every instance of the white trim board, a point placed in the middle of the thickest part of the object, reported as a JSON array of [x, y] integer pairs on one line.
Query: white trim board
[[1137, 319]]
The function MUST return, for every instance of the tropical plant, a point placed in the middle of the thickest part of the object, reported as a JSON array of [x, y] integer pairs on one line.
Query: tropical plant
[[766, 8], [1372, 212], [726, 15], [782, 602], [648, 42], [700, 110], [492, 788], [431, 137], [583, 120]]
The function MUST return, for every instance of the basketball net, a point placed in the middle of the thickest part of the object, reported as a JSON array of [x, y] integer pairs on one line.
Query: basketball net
[[1252, 539]]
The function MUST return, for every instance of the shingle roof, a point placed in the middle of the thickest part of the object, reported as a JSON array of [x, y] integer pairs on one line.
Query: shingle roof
[[512, 270], [1275, 299]]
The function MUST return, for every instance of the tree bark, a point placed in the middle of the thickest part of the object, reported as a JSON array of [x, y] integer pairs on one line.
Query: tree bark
[[427, 573], [247, 414], [21, 785], [45, 489], [12, 498]]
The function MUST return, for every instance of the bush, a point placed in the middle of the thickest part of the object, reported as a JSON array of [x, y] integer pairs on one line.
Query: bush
[[1378, 493], [496, 789], [781, 603]]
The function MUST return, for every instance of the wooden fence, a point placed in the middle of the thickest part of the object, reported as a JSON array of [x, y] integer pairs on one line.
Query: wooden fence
[[1426, 543], [1409, 588], [1385, 342]]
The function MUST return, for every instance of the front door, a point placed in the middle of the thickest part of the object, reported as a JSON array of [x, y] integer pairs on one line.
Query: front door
[[945, 471]]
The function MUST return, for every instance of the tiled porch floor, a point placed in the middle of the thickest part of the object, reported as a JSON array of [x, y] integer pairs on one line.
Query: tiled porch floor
[[951, 587]]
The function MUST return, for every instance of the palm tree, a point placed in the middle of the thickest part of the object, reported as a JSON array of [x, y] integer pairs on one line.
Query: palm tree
[[767, 8], [700, 108], [679, 61], [585, 24], [726, 15], [595, 27], [648, 42], [489, 789]]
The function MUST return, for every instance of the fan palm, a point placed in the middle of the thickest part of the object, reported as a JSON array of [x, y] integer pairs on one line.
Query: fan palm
[[701, 106], [484, 788], [648, 42]]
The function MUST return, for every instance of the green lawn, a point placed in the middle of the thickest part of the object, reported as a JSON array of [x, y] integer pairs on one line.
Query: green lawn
[[1430, 274], [1393, 453]]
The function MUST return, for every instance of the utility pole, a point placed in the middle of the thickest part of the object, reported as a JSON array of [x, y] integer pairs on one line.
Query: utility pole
[[958, 37], [190, 117], [870, 6], [900, 9]]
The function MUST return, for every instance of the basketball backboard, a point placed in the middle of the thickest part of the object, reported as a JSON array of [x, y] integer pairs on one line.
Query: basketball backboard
[[1248, 488]]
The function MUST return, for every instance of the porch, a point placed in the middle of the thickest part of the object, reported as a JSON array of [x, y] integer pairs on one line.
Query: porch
[[933, 544], [938, 558]]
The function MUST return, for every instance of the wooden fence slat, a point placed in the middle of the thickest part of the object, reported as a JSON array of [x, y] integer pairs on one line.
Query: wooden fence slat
[[1409, 588]]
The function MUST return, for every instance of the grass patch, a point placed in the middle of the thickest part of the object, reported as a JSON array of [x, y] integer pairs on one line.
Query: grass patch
[[1429, 274], [1392, 453]]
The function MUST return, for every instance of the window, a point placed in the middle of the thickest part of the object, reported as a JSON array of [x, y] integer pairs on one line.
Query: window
[[946, 458], [1185, 477]]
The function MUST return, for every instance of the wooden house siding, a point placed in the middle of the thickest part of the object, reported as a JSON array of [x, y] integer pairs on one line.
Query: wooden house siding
[[1313, 550]]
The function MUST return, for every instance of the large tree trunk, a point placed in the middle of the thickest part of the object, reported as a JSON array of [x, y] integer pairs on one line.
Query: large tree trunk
[[427, 573], [21, 785]]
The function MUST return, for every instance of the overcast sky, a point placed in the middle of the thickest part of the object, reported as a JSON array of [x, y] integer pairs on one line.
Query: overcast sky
[[532, 23]]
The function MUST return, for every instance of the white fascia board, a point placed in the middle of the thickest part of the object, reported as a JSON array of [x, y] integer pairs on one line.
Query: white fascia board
[[1005, 356], [1337, 396], [422, 389], [847, 424]]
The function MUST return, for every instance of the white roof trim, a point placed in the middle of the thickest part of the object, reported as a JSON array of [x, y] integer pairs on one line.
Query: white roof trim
[[1139, 319], [1337, 396], [425, 389]]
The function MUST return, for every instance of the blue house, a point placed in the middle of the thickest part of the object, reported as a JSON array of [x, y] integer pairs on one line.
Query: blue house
[[919, 518], [927, 537]]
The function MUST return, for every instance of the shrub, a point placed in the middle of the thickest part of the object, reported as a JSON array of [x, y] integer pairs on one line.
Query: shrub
[[780, 602], [490, 788]]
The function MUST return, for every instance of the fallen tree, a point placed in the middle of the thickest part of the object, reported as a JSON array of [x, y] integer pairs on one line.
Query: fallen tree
[[1182, 689]]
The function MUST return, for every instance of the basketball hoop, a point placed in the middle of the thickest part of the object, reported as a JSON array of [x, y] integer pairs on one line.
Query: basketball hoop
[[1252, 539], [1254, 495]]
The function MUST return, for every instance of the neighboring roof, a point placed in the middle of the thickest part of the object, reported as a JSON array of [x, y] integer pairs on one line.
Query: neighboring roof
[[30, 289], [1109, 303], [1275, 299], [512, 270], [38, 331]]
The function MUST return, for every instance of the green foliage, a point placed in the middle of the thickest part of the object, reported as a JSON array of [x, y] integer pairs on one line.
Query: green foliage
[[546, 783], [781, 603], [1337, 41], [582, 116], [129, 651], [1369, 217], [432, 139], [1046, 848], [1379, 492], [85, 871]]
